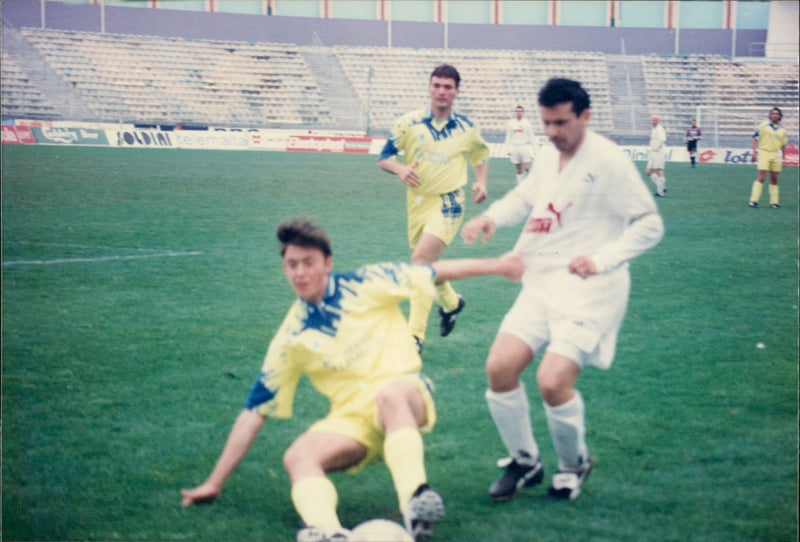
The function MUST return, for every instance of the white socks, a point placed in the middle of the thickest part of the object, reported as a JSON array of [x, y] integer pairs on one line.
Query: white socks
[[660, 182], [511, 414], [568, 430]]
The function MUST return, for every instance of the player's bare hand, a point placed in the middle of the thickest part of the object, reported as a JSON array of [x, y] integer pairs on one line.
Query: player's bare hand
[[513, 266], [479, 192], [754, 156], [481, 227], [202, 494], [583, 266], [408, 174]]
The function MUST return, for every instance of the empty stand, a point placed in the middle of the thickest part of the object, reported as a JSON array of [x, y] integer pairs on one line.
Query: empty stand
[[393, 81], [174, 80], [146, 78], [678, 85], [20, 96]]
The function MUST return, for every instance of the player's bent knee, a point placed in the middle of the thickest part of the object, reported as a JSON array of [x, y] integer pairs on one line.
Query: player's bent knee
[[400, 404], [298, 455], [554, 390], [502, 375]]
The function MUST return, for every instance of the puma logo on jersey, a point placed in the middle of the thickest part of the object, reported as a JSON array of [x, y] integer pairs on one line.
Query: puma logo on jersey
[[558, 213], [543, 225]]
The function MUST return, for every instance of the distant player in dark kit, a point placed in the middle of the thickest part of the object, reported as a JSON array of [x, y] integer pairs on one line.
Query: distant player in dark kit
[[693, 135]]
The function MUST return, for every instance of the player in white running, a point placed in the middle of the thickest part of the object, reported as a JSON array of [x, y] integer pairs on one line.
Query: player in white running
[[586, 214], [519, 142], [658, 155]]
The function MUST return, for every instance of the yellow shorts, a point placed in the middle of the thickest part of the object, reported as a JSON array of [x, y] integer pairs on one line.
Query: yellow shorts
[[359, 418], [769, 161], [438, 214]]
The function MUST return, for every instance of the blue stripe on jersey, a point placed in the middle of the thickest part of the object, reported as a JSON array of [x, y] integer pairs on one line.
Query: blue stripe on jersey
[[324, 316], [389, 150], [259, 394]]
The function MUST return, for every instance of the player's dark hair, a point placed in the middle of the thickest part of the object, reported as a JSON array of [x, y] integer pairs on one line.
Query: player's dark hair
[[559, 90], [447, 71], [778, 109], [303, 233]]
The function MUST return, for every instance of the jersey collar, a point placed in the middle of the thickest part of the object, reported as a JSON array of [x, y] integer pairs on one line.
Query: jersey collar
[[431, 117]]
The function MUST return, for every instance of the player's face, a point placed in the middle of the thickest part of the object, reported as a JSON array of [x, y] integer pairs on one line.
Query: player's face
[[443, 92], [563, 127], [775, 116], [307, 270], [654, 121], [519, 113]]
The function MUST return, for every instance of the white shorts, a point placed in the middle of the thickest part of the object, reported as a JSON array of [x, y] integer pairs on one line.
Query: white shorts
[[520, 154], [657, 159], [577, 318]]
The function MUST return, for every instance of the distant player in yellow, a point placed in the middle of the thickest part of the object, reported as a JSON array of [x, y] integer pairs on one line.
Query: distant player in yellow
[[348, 335], [768, 143], [436, 144]]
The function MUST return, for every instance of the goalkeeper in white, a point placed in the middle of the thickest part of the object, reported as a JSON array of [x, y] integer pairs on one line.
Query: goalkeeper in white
[[587, 213], [658, 156], [519, 141]]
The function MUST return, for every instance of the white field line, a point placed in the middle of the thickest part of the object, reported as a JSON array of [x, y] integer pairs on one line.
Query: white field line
[[168, 254]]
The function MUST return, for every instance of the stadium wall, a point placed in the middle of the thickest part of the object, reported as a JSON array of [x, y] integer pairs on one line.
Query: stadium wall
[[325, 141], [375, 33]]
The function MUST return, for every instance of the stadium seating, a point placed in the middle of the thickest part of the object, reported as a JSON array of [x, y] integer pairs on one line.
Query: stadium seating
[[678, 85], [146, 78], [493, 82], [20, 97], [176, 80]]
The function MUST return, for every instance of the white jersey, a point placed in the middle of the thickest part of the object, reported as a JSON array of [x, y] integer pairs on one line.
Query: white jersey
[[597, 206], [658, 138], [519, 132]]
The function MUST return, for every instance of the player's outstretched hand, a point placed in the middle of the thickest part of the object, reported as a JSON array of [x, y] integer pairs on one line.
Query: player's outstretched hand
[[202, 494], [481, 227], [513, 266]]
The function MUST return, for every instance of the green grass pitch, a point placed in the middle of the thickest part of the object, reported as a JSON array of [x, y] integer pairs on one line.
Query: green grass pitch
[[140, 289]]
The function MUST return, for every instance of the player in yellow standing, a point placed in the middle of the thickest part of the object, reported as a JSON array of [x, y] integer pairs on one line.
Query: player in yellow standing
[[436, 144], [768, 143], [348, 335]]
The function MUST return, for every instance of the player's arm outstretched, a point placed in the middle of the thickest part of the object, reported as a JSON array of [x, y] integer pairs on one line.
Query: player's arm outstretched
[[244, 432], [509, 265]]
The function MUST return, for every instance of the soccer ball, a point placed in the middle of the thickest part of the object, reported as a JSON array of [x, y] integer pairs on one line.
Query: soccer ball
[[380, 530]]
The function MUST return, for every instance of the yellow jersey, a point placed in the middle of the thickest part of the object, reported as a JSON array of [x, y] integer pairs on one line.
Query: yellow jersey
[[355, 336], [771, 137], [441, 148]]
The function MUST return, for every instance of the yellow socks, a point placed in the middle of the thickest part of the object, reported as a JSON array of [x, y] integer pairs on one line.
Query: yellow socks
[[419, 309], [405, 456], [421, 304], [447, 296], [315, 499], [773, 194], [755, 193]]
